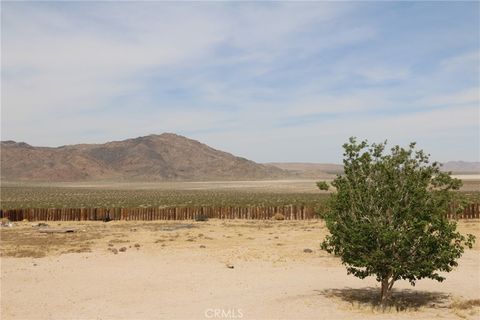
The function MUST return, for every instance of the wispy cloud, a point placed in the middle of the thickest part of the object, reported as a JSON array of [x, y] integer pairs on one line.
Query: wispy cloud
[[255, 79]]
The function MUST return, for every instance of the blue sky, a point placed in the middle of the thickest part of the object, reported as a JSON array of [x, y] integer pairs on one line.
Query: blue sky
[[270, 81]]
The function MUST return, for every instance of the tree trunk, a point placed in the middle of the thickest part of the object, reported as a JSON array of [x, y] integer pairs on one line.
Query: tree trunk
[[387, 284], [384, 292]]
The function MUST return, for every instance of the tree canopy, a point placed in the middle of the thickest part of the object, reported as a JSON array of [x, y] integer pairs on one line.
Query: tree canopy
[[387, 217]]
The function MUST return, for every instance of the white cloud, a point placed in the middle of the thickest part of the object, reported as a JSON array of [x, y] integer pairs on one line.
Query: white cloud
[[65, 63], [58, 65]]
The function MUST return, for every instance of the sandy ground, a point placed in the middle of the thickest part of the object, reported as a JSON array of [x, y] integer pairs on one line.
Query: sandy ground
[[178, 270]]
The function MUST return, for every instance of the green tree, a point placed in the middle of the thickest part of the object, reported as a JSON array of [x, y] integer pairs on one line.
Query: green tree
[[387, 217]]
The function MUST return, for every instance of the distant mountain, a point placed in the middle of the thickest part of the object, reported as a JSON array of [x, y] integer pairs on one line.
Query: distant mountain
[[325, 170], [462, 167], [310, 170], [151, 158]]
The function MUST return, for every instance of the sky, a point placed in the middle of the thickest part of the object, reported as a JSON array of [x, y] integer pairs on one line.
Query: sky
[[269, 81]]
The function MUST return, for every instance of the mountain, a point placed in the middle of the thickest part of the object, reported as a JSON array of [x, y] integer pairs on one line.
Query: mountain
[[462, 167], [164, 157], [326, 170], [161, 157]]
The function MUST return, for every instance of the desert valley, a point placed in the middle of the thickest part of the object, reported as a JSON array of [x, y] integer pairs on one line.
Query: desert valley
[[239, 160], [190, 269]]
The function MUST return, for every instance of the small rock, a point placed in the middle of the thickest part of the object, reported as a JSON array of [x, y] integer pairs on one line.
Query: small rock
[[202, 246], [6, 223], [122, 249], [115, 251], [34, 264], [136, 245], [229, 266], [307, 250], [110, 244]]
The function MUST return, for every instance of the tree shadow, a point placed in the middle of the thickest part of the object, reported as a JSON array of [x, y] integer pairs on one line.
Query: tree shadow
[[400, 300]]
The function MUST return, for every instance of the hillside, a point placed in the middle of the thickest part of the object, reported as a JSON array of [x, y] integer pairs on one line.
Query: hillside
[[162, 157]]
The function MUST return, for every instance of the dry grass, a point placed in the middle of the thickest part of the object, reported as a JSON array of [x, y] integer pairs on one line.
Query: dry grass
[[226, 238], [367, 301], [25, 241], [466, 308], [465, 304], [400, 300]]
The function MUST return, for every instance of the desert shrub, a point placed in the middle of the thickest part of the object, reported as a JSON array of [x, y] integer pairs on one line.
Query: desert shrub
[[279, 216]]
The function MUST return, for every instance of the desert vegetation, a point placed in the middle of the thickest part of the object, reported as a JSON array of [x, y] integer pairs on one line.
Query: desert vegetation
[[387, 216], [55, 196], [59, 197]]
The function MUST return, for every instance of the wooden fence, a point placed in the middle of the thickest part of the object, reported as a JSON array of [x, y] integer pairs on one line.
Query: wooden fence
[[472, 211], [147, 214]]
